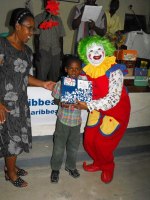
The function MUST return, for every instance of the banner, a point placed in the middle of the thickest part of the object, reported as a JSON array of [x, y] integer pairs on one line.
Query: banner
[[42, 107], [43, 111]]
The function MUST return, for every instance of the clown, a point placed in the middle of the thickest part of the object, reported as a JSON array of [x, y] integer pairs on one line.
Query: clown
[[109, 109]]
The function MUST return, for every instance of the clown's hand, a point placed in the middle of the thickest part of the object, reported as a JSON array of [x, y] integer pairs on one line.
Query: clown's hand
[[91, 24], [49, 85], [81, 105]]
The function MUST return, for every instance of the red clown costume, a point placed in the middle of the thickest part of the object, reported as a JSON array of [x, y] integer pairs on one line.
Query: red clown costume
[[109, 109]]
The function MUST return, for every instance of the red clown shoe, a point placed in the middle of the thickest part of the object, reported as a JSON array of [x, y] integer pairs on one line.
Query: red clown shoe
[[91, 167], [107, 176]]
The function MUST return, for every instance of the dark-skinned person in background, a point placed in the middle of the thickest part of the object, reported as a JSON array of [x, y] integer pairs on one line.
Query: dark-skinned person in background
[[89, 28]]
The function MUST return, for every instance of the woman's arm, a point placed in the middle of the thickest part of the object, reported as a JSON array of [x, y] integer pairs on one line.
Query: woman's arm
[[45, 84]]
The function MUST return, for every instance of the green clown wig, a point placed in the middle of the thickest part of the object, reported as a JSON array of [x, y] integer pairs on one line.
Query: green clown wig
[[88, 41]]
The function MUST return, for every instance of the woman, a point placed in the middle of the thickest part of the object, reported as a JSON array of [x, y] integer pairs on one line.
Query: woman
[[15, 125]]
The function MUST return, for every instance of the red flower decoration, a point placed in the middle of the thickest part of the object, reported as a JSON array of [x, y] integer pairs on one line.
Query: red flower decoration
[[52, 7], [48, 24]]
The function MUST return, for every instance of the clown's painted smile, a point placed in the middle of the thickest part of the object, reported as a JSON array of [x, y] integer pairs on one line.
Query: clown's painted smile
[[95, 54], [97, 57]]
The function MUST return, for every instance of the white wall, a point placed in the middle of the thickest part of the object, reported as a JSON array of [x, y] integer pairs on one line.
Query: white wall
[[139, 6]]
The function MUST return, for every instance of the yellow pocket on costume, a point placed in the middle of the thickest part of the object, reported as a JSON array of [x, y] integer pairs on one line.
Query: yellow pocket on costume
[[93, 118], [109, 125]]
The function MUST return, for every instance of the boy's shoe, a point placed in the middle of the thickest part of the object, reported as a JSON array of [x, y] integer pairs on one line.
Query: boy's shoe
[[73, 172], [55, 176]]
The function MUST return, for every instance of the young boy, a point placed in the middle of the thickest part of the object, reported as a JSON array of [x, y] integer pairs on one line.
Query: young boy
[[67, 132]]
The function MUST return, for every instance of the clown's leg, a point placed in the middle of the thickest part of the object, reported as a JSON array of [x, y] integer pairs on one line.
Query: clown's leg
[[89, 146], [105, 158], [105, 147]]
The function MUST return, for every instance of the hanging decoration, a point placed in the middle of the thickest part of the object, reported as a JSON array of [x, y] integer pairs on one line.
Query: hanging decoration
[[52, 8], [48, 24]]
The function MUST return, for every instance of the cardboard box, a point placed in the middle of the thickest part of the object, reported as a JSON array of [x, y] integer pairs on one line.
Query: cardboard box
[[130, 72], [141, 77], [141, 81], [128, 55], [140, 71], [129, 63]]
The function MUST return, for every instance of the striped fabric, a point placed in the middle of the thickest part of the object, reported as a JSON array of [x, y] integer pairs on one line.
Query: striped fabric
[[68, 116]]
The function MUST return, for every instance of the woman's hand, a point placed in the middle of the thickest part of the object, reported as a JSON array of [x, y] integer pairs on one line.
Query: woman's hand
[[3, 111], [49, 85]]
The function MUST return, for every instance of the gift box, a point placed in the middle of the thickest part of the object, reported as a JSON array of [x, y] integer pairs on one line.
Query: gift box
[[130, 72], [140, 71], [129, 64], [141, 77], [141, 81], [130, 67], [75, 89], [128, 55]]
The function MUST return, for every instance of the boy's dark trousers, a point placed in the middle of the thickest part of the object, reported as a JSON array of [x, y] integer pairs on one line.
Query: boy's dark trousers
[[65, 137]]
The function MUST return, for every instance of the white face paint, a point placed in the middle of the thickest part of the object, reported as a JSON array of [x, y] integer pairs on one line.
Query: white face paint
[[95, 54]]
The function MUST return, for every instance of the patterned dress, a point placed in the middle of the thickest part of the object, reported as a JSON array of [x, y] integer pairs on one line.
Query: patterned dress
[[15, 133]]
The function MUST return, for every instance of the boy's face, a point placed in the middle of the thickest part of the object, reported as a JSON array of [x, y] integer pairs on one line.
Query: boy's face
[[73, 70]]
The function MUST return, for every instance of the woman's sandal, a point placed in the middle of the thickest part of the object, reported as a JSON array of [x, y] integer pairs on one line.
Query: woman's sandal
[[19, 182], [20, 172]]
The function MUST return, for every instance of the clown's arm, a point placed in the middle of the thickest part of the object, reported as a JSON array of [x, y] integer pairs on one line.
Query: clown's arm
[[111, 99], [113, 96]]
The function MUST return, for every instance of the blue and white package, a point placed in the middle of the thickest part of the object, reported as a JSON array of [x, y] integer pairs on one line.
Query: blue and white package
[[75, 89]]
